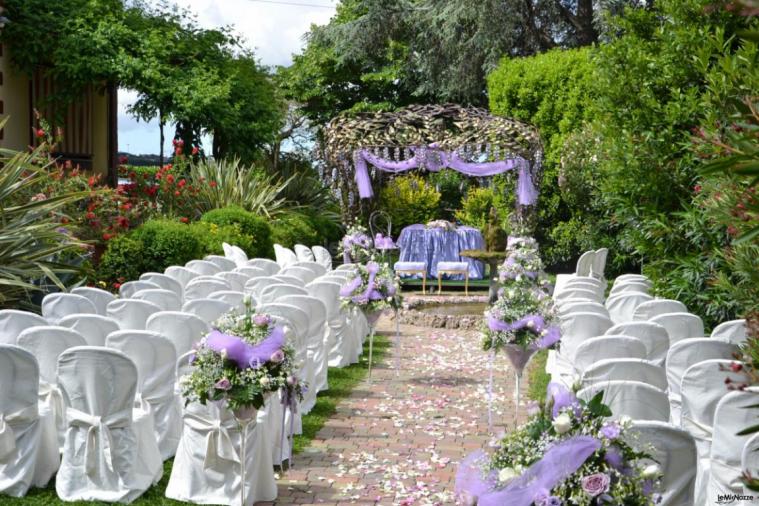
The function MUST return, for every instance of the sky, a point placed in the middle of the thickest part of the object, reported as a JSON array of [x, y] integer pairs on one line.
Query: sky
[[273, 28]]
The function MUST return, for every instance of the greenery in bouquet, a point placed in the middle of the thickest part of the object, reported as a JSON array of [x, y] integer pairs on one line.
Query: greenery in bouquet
[[357, 244], [523, 265], [242, 361], [568, 453], [522, 315], [372, 288]]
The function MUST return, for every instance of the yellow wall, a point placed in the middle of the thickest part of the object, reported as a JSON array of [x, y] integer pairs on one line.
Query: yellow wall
[[14, 92]]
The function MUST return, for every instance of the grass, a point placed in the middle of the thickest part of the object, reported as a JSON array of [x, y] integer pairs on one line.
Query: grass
[[341, 383], [537, 377]]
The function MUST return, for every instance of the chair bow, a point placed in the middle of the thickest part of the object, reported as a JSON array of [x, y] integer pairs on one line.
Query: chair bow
[[7, 420], [98, 440], [219, 445], [51, 395]]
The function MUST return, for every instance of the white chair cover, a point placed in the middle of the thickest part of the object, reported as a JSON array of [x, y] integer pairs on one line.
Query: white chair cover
[[702, 387], [99, 297], [581, 306], [183, 275], [347, 267], [304, 253], [234, 253], [272, 292], [165, 282], [680, 325], [208, 310], [299, 322], [28, 442], [585, 263], [47, 344], [234, 298], [14, 321], [235, 279], [317, 341], [204, 267], [289, 280], [201, 288], [302, 273], [577, 293], [167, 300], [632, 277], [630, 286], [225, 264], [675, 452], [269, 266], [316, 268], [322, 256], [284, 256], [57, 305], [251, 272], [730, 417], [733, 331], [647, 310], [635, 399], [578, 327], [344, 340], [131, 314], [685, 354], [622, 306], [594, 349], [131, 287], [107, 456], [750, 459], [256, 285], [579, 284], [94, 328], [625, 369], [206, 467], [598, 266], [182, 329], [155, 358], [653, 335]]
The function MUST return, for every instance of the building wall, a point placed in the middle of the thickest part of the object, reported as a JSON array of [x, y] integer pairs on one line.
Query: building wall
[[14, 97]]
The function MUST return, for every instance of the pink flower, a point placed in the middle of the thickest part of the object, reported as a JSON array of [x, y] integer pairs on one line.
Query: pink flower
[[595, 484], [223, 384], [261, 320], [277, 357]]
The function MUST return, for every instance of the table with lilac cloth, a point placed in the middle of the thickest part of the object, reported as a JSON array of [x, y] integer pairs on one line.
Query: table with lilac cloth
[[432, 245]]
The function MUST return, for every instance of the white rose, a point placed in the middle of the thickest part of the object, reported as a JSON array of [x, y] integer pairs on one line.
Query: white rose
[[223, 353], [651, 471], [562, 423], [264, 381], [246, 299], [519, 277], [625, 421], [507, 474]]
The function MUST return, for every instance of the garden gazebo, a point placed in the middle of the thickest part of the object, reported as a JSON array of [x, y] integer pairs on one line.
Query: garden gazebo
[[429, 137]]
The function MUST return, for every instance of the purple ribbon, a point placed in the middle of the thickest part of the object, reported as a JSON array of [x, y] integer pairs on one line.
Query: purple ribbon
[[247, 355], [435, 159], [561, 398]]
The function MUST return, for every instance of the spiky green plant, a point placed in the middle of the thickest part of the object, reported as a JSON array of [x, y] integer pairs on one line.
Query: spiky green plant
[[31, 243], [227, 182]]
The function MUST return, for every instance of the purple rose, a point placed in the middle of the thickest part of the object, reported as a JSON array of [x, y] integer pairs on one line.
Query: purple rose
[[544, 498], [595, 484], [262, 319], [610, 430], [292, 380], [277, 357], [223, 384]]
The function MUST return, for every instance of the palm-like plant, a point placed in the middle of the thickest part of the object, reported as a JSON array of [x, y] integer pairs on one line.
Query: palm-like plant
[[31, 242], [227, 182]]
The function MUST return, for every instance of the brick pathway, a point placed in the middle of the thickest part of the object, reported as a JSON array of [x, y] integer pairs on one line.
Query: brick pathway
[[398, 440]]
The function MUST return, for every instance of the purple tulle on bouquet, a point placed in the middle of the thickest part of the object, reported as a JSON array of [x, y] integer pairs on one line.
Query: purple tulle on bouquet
[[247, 355], [561, 397]]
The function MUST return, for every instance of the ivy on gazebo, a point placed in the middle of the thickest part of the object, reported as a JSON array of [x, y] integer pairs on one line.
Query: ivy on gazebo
[[430, 137]]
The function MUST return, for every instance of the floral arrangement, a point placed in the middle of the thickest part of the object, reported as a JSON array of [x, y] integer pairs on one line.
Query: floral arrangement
[[442, 224], [242, 361], [568, 453], [524, 316], [523, 264], [373, 288], [357, 244], [384, 243]]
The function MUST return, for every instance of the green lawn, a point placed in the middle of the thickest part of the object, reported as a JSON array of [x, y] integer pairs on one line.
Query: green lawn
[[341, 383], [537, 377]]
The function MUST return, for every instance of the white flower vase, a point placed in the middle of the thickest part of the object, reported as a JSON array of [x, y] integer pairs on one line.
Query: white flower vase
[[371, 319], [244, 417]]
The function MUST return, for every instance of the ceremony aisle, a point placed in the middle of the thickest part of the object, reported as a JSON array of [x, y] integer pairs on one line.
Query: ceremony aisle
[[399, 440]]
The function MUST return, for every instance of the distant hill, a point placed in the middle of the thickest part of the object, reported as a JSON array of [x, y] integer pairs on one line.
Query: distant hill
[[141, 160]]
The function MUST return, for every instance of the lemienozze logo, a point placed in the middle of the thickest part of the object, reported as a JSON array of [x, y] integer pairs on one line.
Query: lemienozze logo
[[731, 498]]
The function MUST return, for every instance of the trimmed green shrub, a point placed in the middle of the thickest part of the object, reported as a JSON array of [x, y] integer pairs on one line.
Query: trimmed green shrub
[[167, 242], [295, 229], [410, 199], [123, 260], [475, 208], [212, 236], [249, 224]]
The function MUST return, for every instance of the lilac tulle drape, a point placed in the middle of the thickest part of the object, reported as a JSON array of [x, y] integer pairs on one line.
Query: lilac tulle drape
[[433, 245], [434, 159]]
